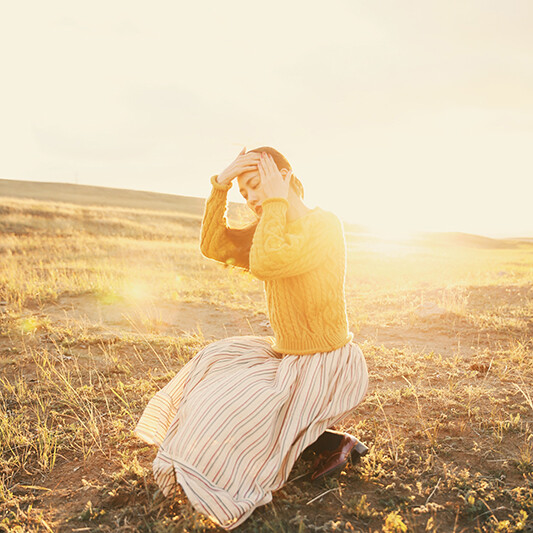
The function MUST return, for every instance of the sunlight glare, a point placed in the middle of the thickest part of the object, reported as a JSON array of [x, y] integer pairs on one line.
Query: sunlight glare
[[390, 240], [392, 232], [137, 291]]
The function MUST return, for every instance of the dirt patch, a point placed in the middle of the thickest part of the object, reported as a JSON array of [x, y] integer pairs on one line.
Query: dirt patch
[[180, 318]]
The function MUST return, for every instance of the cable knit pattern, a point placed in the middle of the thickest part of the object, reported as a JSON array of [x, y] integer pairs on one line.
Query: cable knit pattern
[[302, 264], [214, 241]]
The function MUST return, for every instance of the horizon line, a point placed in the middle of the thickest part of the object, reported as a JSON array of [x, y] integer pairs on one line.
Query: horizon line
[[521, 234]]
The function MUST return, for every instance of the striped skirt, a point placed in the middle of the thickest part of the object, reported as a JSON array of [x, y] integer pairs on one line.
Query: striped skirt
[[231, 424]]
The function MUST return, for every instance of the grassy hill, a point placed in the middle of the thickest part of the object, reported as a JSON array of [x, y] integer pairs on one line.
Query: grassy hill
[[64, 208], [100, 196], [191, 209], [104, 296]]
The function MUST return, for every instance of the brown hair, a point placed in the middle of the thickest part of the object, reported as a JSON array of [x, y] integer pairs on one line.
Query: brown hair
[[242, 237]]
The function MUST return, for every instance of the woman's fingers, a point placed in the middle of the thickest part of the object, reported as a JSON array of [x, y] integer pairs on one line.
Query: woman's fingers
[[245, 162], [261, 169], [248, 168], [270, 163], [274, 168], [243, 156], [251, 161], [241, 153], [252, 155], [274, 185], [247, 159], [271, 166], [266, 171]]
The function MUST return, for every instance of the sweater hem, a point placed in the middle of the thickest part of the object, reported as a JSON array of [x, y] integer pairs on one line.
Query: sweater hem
[[285, 350]]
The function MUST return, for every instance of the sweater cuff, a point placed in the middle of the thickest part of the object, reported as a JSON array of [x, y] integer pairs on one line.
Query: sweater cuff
[[219, 186], [276, 201]]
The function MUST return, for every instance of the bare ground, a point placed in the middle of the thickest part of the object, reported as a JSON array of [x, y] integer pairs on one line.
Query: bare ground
[[92, 325]]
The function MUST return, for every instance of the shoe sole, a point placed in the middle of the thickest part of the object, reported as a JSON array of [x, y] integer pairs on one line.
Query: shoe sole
[[358, 451]]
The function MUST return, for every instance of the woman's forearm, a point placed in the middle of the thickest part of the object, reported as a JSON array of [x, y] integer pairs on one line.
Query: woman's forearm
[[214, 241]]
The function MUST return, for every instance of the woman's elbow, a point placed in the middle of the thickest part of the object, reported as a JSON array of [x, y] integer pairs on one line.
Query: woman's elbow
[[258, 274], [206, 249], [261, 270]]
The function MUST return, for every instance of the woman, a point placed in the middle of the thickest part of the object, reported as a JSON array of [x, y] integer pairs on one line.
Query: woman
[[233, 421]]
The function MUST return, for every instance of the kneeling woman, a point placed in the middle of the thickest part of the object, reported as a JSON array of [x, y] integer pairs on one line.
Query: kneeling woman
[[231, 424]]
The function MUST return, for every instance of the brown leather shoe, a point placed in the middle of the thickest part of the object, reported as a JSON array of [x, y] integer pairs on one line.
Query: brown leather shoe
[[335, 460]]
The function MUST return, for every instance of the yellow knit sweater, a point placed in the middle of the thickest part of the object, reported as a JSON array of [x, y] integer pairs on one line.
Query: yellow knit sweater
[[302, 263]]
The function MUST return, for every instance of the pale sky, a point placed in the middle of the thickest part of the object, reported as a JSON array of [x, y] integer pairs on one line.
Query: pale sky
[[396, 114]]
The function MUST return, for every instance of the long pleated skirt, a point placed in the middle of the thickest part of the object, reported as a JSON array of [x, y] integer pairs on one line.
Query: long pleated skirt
[[231, 424]]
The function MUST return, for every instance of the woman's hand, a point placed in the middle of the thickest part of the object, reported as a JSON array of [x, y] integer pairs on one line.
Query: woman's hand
[[273, 183], [244, 162]]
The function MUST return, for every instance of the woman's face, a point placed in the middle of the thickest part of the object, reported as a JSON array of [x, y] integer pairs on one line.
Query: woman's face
[[252, 191]]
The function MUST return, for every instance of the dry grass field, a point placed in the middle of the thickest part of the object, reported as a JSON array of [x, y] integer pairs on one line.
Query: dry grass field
[[103, 298]]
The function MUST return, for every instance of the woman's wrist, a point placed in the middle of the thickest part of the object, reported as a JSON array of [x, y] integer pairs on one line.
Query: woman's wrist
[[219, 185], [274, 208]]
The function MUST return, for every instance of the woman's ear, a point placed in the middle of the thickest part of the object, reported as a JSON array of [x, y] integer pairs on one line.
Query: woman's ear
[[286, 174]]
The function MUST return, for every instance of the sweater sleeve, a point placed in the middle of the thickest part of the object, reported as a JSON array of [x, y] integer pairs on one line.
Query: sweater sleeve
[[214, 240], [278, 253]]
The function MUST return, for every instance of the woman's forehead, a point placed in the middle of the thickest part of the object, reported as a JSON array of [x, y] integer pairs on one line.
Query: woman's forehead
[[245, 177]]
